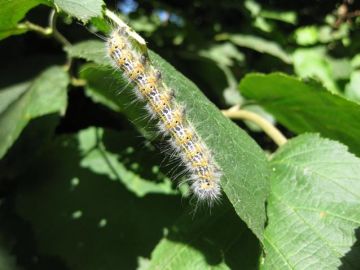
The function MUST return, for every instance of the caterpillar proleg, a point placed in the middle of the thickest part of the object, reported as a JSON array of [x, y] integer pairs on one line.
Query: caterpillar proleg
[[203, 173]]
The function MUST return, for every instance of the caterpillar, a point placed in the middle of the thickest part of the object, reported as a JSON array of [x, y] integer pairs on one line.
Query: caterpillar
[[172, 121]]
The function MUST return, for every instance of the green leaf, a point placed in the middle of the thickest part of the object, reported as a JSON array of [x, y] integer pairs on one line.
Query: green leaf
[[303, 107], [11, 94], [223, 54], [11, 12], [341, 68], [243, 163], [355, 61], [284, 16], [106, 91], [91, 50], [312, 34], [74, 201], [29, 145], [352, 90], [219, 240], [314, 206], [259, 44], [257, 11], [7, 261], [105, 87], [126, 165], [23, 102], [101, 25], [315, 63], [307, 35], [83, 10]]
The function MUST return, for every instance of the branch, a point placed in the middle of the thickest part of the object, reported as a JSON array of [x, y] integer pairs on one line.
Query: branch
[[50, 31], [36, 28], [55, 33], [266, 126], [77, 82]]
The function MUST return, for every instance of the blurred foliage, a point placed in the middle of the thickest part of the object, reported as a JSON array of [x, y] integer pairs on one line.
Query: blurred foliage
[[79, 188]]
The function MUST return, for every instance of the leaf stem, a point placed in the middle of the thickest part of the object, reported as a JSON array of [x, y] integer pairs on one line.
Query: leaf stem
[[78, 82], [50, 31], [266, 126], [36, 28], [55, 33], [59, 37]]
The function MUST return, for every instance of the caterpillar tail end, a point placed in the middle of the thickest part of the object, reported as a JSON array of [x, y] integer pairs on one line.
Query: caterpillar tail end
[[206, 192]]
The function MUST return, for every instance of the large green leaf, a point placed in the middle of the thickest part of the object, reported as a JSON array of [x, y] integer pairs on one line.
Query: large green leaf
[[305, 107], [11, 12], [314, 206], [83, 10], [244, 165], [77, 210], [20, 103], [219, 240]]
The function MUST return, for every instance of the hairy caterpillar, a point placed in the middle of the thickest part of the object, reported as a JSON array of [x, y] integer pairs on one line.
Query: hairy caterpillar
[[204, 175]]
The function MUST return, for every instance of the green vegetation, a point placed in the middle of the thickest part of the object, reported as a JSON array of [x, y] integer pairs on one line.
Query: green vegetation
[[274, 90]]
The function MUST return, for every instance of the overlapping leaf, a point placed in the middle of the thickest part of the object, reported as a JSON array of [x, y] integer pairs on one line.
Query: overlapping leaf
[[76, 198], [243, 163], [209, 241], [23, 102], [82, 10], [314, 206], [305, 107], [11, 12]]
